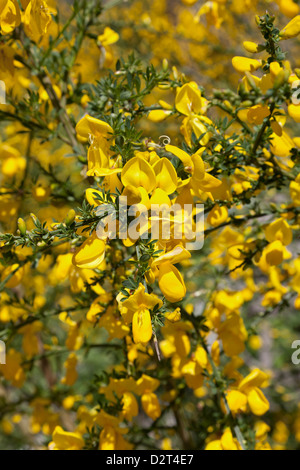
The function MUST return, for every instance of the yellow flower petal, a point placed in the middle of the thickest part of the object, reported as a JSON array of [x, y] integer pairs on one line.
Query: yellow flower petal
[[90, 254]]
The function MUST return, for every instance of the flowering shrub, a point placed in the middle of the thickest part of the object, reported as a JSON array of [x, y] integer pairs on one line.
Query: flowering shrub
[[149, 211]]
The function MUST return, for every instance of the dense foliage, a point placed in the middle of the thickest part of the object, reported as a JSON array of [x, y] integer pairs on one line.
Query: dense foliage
[[121, 342]]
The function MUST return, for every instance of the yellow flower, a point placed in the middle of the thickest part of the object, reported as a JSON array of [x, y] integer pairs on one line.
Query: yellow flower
[[217, 215], [108, 37], [146, 386], [249, 393], [111, 435], [189, 2], [7, 54], [176, 340], [30, 341], [227, 442], [8, 206], [113, 324], [89, 127], [14, 275], [189, 100], [273, 253], [63, 440], [13, 370], [279, 230], [166, 177], [288, 8], [108, 438], [261, 430], [170, 280], [130, 406], [71, 373], [158, 115], [36, 19], [138, 173], [294, 112], [233, 334], [90, 254], [243, 64], [138, 306], [258, 403], [194, 165], [292, 29], [237, 401], [250, 46], [174, 316], [191, 104], [151, 405], [98, 133], [281, 145], [141, 326], [213, 12], [10, 16], [295, 190], [278, 234], [99, 163], [257, 114]]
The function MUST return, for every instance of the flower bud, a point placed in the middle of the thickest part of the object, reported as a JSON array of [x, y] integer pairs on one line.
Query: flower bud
[[175, 73], [251, 46], [228, 105], [246, 104], [164, 85], [22, 226], [70, 217], [34, 218]]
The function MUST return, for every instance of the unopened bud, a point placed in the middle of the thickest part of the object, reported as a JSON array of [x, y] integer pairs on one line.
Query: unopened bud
[[246, 104], [251, 46], [34, 218], [175, 73], [22, 226], [164, 85], [228, 105], [165, 65], [70, 217]]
